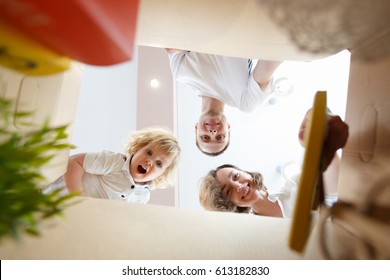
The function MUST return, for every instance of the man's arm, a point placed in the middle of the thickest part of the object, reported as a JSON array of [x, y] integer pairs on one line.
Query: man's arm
[[169, 50], [74, 174], [263, 72], [336, 138]]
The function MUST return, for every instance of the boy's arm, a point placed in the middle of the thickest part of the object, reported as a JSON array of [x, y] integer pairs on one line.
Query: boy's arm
[[336, 138], [338, 132], [74, 174], [331, 176]]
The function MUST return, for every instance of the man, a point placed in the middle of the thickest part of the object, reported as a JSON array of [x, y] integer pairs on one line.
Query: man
[[220, 81]]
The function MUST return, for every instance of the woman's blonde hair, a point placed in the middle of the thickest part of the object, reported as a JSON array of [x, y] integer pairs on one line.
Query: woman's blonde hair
[[164, 140], [212, 198]]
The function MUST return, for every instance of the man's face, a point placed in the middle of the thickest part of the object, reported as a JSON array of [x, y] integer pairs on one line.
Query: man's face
[[212, 132]]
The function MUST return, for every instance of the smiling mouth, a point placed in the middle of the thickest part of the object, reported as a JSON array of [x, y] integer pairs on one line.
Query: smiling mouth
[[141, 169], [247, 189]]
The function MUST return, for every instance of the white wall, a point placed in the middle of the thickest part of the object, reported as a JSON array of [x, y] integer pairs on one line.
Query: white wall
[[116, 100], [155, 105], [107, 106]]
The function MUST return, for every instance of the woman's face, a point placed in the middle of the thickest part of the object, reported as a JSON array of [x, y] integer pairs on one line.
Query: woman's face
[[237, 186]]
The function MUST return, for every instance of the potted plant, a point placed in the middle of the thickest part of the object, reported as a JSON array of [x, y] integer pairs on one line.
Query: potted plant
[[22, 157]]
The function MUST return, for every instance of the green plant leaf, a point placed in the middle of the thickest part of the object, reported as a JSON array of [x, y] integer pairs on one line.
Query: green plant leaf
[[22, 156]]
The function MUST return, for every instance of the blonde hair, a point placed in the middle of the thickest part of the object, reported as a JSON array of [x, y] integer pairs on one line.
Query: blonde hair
[[212, 198], [164, 140]]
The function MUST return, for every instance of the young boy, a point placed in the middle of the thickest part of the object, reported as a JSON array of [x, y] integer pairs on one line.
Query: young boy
[[151, 156]]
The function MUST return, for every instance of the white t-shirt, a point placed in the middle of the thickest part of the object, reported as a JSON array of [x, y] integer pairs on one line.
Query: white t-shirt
[[108, 176], [288, 194], [287, 197], [226, 79]]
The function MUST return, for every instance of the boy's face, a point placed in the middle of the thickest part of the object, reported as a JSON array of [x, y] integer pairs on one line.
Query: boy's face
[[149, 163]]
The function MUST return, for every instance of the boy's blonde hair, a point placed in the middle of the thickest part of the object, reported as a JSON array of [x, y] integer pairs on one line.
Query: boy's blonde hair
[[164, 140]]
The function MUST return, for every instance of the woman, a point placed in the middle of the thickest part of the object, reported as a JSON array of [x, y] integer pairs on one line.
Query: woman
[[229, 188]]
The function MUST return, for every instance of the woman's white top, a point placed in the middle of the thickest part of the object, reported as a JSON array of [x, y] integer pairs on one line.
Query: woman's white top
[[224, 78], [288, 194]]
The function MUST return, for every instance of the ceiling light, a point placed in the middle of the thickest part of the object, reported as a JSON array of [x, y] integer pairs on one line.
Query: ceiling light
[[154, 83]]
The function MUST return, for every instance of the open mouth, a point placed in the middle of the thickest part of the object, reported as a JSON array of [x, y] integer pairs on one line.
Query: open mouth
[[141, 169]]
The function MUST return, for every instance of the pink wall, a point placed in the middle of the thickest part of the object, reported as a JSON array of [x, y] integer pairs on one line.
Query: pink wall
[[155, 106]]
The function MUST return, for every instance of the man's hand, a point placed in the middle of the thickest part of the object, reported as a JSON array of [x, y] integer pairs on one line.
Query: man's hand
[[336, 136]]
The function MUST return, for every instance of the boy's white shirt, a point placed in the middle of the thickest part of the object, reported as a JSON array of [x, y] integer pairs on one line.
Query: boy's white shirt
[[107, 176]]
